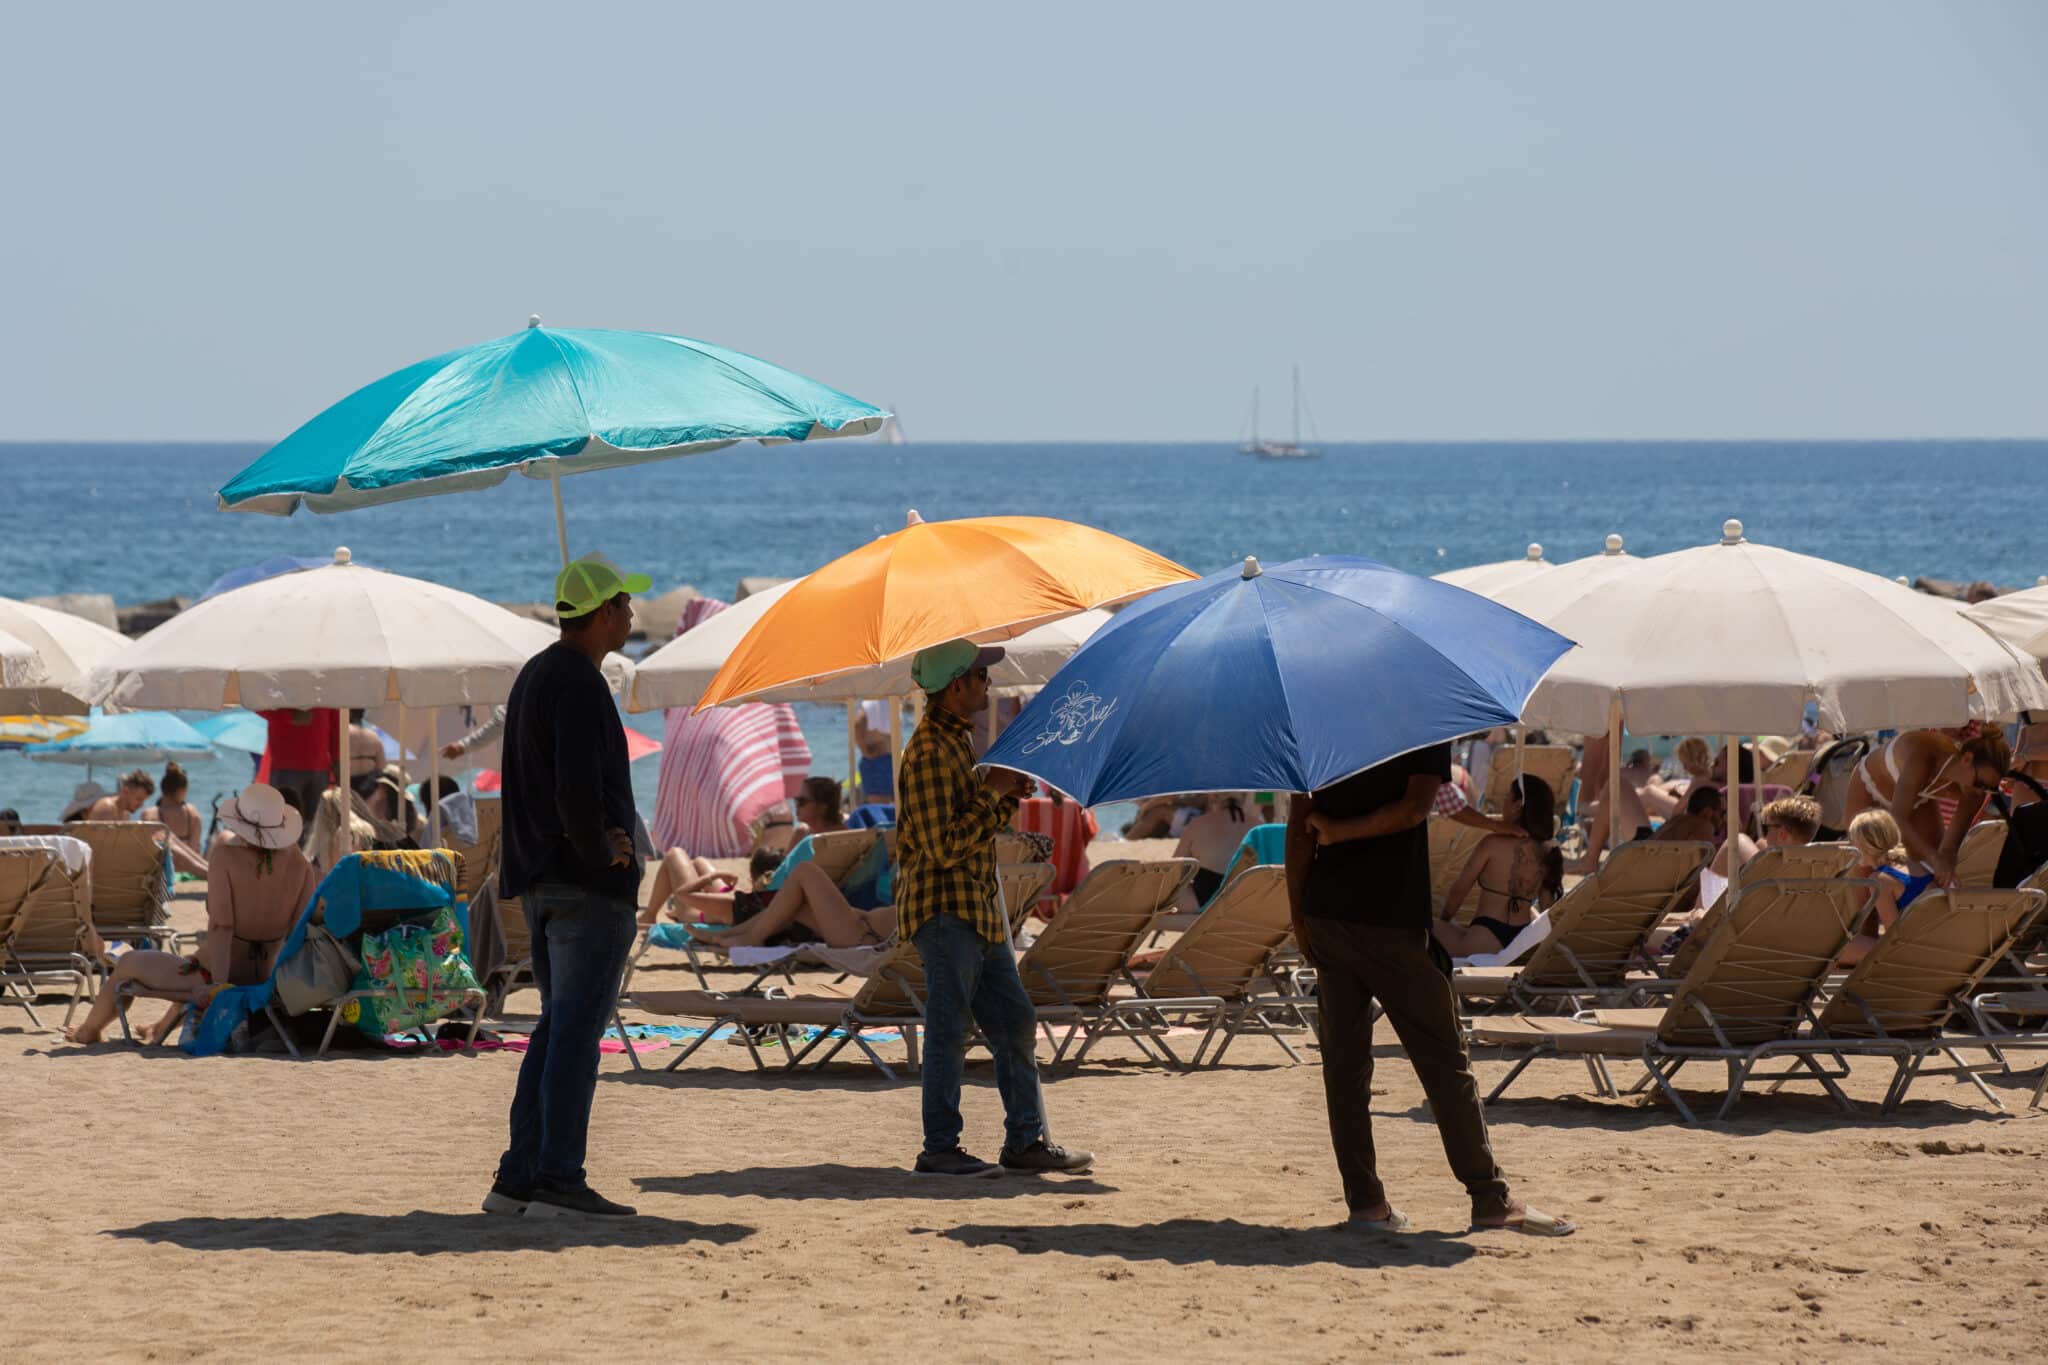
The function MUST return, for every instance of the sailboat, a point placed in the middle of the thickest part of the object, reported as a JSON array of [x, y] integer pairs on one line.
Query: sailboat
[[1278, 450]]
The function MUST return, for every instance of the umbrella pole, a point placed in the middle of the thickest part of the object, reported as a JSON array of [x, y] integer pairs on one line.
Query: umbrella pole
[[561, 518], [1614, 839], [434, 791], [1734, 816], [344, 806], [852, 749]]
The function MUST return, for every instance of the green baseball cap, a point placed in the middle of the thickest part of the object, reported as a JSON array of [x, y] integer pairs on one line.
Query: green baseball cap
[[588, 583], [933, 668]]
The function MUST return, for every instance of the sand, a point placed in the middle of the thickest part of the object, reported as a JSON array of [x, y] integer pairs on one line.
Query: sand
[[162, 1207]]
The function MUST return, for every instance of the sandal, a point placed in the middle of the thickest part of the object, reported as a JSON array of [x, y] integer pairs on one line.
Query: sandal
[[1533, 1223], [1395, 1222]]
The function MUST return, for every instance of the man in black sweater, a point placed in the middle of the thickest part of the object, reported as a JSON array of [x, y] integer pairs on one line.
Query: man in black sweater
[[567, 853]]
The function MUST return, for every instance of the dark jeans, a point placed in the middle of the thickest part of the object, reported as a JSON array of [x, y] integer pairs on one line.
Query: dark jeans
[[966, 976], [1357, 964], [580, 942]]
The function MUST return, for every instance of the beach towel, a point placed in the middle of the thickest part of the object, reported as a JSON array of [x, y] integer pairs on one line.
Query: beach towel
[[1071, 828], [1519, 947], [721, 769]]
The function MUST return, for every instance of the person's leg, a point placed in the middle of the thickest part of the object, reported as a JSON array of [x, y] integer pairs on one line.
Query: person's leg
[[520, 1164], [1344, 1023], [667, 877], [1423, 1009], [1010, 1025], [160, 974], [588, 942], [952, 970], [810, 898]]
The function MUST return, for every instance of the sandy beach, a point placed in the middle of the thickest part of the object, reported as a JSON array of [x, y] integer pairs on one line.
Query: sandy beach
[[165, 1208]]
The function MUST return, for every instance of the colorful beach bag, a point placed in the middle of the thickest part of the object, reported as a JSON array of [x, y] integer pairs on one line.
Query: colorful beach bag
[[419, 972]]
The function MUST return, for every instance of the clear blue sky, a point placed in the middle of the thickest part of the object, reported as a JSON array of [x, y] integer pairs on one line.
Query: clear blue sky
[[1045, 221]]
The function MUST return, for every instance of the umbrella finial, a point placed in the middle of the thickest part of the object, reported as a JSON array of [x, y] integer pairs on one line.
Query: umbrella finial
[[2041, 580], [1903, 581], [341, 554], [532, 321], [1613, 543], [1731, 532], [1535, 552], [1251, 566], [913, 519]]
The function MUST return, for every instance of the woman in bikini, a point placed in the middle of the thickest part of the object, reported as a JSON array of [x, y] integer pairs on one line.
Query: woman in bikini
[[808, 905], [181, 818], [1907, 776], [1516, 877], [1879, 858]]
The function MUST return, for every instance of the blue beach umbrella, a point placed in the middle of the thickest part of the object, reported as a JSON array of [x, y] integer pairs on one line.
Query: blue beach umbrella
[[546, 402], [243, 731], [130, 737], [1282, 679]]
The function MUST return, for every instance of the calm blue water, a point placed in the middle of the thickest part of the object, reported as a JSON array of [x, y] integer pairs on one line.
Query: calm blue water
[[138, 521]]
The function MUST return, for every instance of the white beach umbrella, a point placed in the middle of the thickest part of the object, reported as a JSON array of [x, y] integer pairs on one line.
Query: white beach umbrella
[[678, 672], [66, 648], [20, 665], [1487, 579], [2018, 618], [337, 636]]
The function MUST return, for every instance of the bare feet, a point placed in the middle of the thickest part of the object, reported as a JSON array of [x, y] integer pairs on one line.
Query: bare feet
[[82, 1035]]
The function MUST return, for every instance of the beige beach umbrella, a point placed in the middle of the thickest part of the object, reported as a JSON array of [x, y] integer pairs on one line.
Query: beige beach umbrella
[[65, 647], [2018, 618], [1487, 579], [20, 665], [336, 636]]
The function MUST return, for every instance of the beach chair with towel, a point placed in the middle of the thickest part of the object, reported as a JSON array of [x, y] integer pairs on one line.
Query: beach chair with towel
[[1597, 946], [43, 917], [1745, 999], [130, 877], [1219, 977]]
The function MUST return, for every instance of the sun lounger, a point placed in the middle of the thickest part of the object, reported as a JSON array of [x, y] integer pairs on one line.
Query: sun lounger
[[1746, 998], [48, 939], [1599, 931], [1219, 976], [1900, 998], [130, 877], [23, 872], [1084, 953], [1551, 762], [1773, 864], [1450, 848], [1789, 769], [1977, 855]]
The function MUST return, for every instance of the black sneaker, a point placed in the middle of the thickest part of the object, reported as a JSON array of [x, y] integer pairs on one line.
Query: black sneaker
[[584, 1203], [955, 1162], [503, 1199], [1044, 1156]]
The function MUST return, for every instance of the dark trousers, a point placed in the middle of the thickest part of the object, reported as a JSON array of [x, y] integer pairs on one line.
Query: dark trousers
[[966, 977], [1357, 964], [580, 943]]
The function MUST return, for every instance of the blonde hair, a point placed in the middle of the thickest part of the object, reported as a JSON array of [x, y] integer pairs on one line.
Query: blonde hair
[[1693, 752], [1876, 836], [1800, 814]]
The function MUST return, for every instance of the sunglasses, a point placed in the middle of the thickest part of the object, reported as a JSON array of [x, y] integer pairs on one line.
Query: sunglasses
[[980, 673]]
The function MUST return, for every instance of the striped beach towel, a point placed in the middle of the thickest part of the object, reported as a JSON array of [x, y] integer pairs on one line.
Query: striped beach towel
[[723, 768]]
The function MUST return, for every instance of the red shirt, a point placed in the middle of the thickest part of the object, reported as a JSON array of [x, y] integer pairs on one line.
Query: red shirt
[[302, 741]]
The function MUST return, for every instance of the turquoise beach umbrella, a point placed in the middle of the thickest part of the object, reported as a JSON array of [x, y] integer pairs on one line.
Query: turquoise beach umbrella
[[130, 737], [546, 402], [244, 731]]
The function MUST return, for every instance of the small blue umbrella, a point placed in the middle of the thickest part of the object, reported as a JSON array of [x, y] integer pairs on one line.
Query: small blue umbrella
[[1282, 679], [244, 731], [547, 402], [269, 568], [130, 737]]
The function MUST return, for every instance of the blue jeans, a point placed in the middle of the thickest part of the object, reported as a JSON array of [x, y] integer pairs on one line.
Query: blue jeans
[[967, 976], [580, 942]]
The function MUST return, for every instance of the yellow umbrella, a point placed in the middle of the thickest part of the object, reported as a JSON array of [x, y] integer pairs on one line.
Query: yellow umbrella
[[16, 731], [978, 578]]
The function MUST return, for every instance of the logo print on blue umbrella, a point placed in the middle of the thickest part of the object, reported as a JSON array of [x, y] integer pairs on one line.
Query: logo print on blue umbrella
[[1077, 718]]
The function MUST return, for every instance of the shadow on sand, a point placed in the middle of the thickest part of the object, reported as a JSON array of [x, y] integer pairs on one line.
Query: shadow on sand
[[830, 1180], [421, 1233], [1224, 1242]]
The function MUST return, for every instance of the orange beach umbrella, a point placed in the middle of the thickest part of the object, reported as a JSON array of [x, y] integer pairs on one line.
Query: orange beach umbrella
[[979, 578]]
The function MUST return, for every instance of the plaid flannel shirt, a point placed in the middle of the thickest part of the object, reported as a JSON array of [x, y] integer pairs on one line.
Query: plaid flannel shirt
[[946, 826]]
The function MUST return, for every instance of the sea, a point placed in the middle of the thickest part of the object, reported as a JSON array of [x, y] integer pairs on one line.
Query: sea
[[138, 520]]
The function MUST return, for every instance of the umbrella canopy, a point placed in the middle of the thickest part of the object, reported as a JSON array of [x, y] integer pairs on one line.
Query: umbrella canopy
[[341, 635], [1543, 597], [243, 731], [546, 402], [2018, 618], [1486, 579], [20, 665], [1282, 679], [256, 573], [678, 672], [130, 737], [1736, 639], [67, 647], [981, 578], [19, 731]]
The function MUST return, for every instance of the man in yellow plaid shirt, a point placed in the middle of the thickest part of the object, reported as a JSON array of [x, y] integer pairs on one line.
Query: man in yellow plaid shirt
[[947, 820]]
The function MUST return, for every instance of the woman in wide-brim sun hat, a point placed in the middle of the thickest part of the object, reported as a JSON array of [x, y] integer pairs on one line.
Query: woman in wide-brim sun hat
[[260, 815], [258, 883]]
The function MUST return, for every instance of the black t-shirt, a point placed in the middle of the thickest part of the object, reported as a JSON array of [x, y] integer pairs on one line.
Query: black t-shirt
[[565, 780], [1383, 881]]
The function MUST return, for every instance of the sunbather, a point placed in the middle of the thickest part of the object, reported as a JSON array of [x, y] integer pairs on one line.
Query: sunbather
[[1211, 839], [817, 807], [181, 818], [1906, 778], [136, 788], [1516, 877], [1879, 858], [146, 971], [682, 875], [809, 899]]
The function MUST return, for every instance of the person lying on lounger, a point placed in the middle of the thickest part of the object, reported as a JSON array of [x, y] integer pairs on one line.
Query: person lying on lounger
[[1515, 877], [680, 874], [809, 903]]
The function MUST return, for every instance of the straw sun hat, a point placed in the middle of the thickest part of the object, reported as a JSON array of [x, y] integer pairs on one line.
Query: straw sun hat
[[259, 816]]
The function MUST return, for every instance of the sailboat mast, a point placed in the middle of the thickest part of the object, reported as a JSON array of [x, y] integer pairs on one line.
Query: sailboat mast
[[1297, 406], [1255, 414]]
